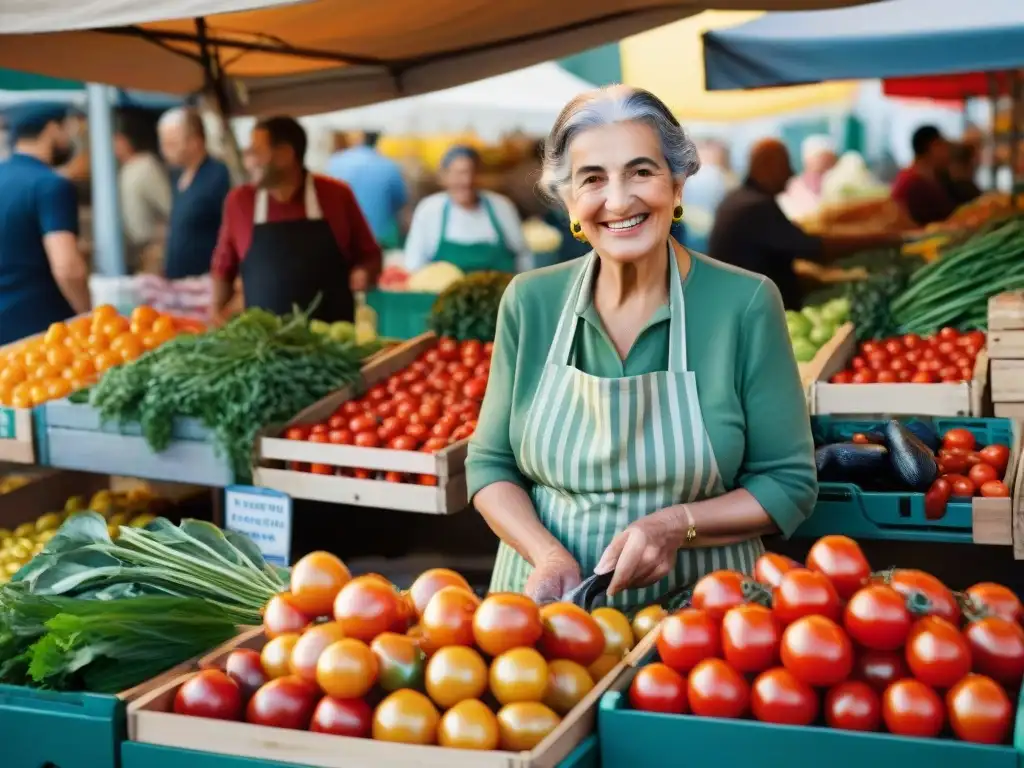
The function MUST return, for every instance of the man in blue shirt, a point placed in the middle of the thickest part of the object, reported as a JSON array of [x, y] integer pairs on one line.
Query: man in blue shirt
[[43, 277], [378, 186], [199, 186]]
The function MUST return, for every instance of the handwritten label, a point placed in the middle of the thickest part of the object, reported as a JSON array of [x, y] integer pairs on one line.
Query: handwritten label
[[265, 516], [7, 427]]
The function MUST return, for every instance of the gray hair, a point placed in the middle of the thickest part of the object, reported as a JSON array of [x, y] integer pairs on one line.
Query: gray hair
[[604, 106], [187, 118]]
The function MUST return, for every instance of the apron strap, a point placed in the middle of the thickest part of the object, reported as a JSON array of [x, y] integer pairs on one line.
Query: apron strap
[[494, 219], [444, 220], [677, 322], [313, 210], [561, 346]]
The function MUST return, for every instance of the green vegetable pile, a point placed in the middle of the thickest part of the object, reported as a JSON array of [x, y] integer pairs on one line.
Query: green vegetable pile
[[468, 309], [104, 615], [954, 290], [257, 369], [871, 302]]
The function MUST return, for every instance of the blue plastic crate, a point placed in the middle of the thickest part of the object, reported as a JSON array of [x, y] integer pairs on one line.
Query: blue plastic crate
[[896, 515]]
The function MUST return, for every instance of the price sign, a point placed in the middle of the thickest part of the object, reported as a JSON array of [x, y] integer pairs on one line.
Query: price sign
[[7, 427], [265, 516]]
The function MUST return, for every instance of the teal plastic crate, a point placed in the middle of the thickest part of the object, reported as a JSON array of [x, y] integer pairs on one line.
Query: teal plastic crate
[[629, 738], [401, 315], [136, 755], [844, 508], [46, 729]]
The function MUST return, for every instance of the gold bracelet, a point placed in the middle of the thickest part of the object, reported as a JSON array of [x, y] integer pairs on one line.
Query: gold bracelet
[[691, 530]]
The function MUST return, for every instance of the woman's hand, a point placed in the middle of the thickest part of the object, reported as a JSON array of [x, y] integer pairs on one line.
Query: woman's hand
[[554, 575], [645, 552]]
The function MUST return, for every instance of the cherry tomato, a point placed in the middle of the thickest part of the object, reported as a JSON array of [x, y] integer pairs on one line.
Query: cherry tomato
[[877, 618], [948, 334], [505, 621], [913, 356], [804, 593], [853, 706], [390, 428], [406, 717], [841, 560], [935, 501], [843, 377], [618, 635], [365, 607], [457, 673], [953, 463], [658, 688], [910, 583], [924, 377], [973, 457], [298, 432], [525, 724], [982, 473], [209, 693], [448, 618], [864, 376], [817, 651], [717, 592], [469, 724], [315, 581], [894, 347], [687, 638], [568, 683], [342, 717], [959, 438], [770, 567], [997, 649], [997, 600], [448, 349], [714, 689], [287, 702], [877, 359], [995, 489], [400, 661], [750, 638], [646, 620], [911, 341], [275, 658], [571, 633], [243, 665], [777, 696], [911, 708], [937, 653], [996, 456], [961, 486], [858, 363], [367, 439], [310, 645], [282, 616], [474, 389], [979, 710], [403, 443], [880, 669]]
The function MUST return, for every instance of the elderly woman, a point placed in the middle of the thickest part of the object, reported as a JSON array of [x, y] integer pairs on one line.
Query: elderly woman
[[466, 226], [644, 416]]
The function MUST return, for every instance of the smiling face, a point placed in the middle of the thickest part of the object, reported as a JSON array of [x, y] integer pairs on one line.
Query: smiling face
[[621, 190]]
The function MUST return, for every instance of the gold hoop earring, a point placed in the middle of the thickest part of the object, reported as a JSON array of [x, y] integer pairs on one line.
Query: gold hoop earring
[[677, 214], [577, 231]]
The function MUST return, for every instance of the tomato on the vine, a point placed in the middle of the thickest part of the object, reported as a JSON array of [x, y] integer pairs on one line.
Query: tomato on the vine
[[719, 591], [750, 638], [997, 649], [658, 688], [937, 653], [877, 618], [687, 638], [802, 592], [853, 706], [770, 568], [715, 689], [979, 710], [916, 584], [842, 561], [817, 651], [777, 696], [996, 599], [911, 708]]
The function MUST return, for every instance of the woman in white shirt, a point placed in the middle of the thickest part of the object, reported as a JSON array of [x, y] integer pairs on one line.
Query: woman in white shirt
[[471, 228]]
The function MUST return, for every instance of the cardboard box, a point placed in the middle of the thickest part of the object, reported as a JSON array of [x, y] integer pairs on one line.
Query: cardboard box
[[150, 721], [274, 453], [960, 399]]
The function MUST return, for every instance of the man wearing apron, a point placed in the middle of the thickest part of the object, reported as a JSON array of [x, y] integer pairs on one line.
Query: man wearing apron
[[475, 257], [294, 238]]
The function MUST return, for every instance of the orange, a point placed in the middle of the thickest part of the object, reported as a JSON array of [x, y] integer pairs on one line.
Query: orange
[[13, 373], [6, 393], [115, 326], [144, 316], [105, 360], [45, 371], [20, 400], [83, 367], [80, 327], [59, 356], [97, 342], [77, 384], [38, 393], [104, 312], [153, 339], [32, 359], [164, 325], [130, 348], [57, 388], [57, 332]]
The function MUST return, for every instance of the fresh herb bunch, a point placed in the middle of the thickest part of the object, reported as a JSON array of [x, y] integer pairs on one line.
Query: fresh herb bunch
[[468, 309], [257, 369]]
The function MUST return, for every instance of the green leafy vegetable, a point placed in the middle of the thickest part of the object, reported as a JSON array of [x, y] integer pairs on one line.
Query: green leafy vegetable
[[468, 309]]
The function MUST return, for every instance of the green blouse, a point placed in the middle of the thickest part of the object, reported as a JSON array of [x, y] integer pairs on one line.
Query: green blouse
[[748, 385]]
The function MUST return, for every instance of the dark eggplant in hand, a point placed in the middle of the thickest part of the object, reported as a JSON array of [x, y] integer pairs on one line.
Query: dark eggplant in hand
[[859, 463], [925, 433], [912, 461]]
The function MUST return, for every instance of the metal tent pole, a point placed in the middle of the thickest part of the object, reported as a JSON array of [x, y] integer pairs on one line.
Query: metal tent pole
[[108, 240]]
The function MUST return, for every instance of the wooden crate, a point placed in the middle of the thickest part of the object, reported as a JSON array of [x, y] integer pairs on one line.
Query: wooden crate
[[1006, 345], [1009, 410], [994, 520], [1008, 381], [940, 399], [447, 497], [150, 721], [1006, 312], [48, 491], [811, 372], [17, 439]]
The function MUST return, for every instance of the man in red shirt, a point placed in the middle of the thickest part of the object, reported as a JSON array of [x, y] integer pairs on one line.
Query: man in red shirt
[[919, 189], [290, 235]]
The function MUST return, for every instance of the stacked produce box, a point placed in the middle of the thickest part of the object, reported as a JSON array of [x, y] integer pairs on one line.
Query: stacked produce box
[[1006, 350]]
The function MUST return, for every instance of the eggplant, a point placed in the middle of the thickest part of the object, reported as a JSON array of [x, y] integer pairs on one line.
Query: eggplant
[[925, 433], [859, 463], [912, 461]]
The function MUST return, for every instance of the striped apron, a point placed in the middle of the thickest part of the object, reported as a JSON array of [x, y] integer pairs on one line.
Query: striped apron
[[604, 452]]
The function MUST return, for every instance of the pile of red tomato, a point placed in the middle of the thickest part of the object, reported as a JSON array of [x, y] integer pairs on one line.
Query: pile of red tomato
[[432, 665], [966, 471], [429, 405], [946, 357], [834, 644]]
